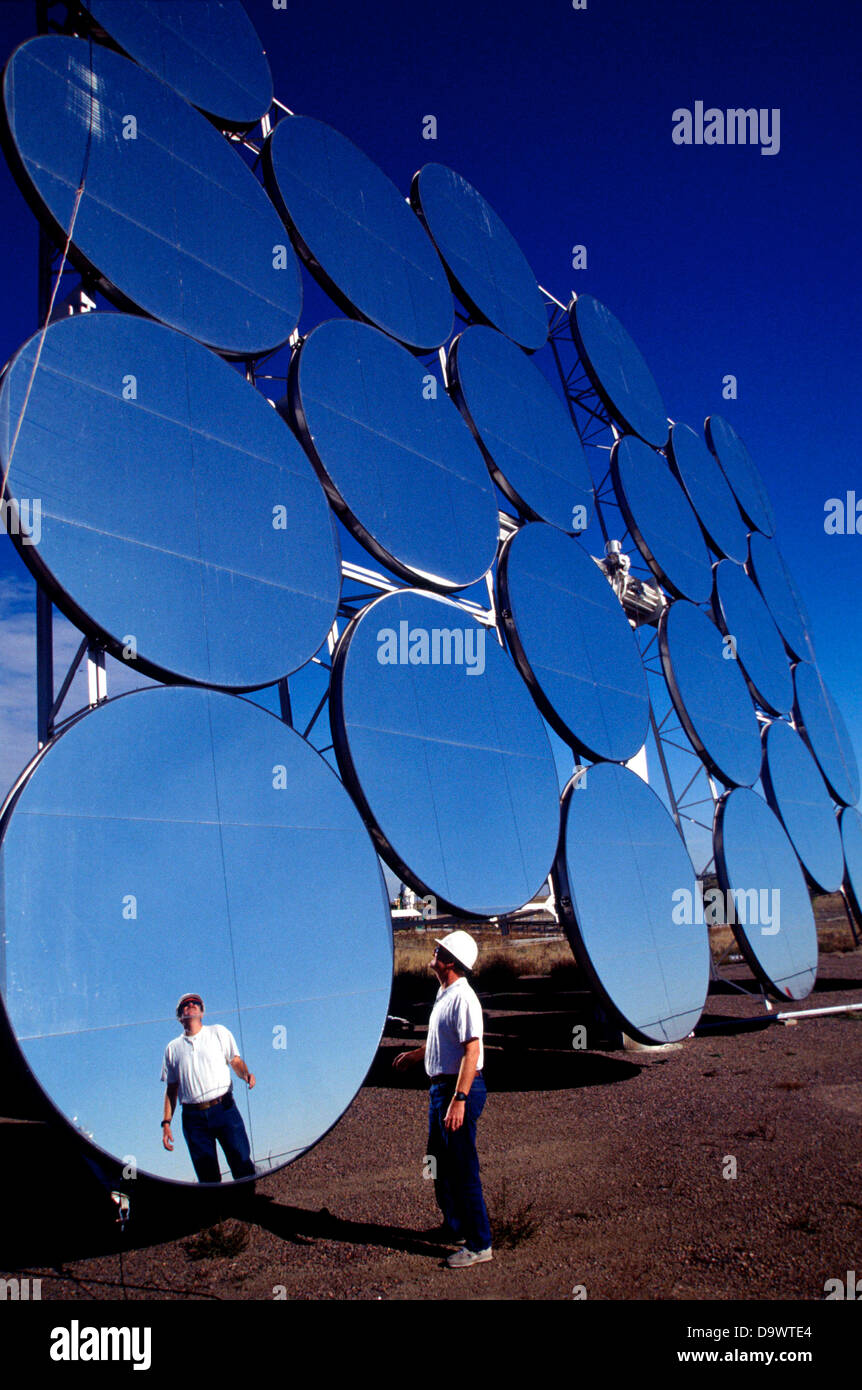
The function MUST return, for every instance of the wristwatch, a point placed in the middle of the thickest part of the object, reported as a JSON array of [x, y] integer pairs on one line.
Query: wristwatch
[[459, 1095], [165, 1122]]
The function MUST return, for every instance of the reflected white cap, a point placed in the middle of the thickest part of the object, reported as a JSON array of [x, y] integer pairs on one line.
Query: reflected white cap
[[184, 998]]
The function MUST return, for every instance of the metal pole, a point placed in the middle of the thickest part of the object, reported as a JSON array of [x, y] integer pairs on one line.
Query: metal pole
[[44, 667], [814, 1013], [284, 701]]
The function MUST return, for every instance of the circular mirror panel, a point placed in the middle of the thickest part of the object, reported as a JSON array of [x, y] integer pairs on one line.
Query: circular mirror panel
[[660, 519], [170, 218], [709, 694], [636, 931], [709, 493], [175, 840], [573, 643], [744, 617], [523, 429], [819, 718], [781, 595], [618, 371], [797, 794], [757, 867], [179, 521], [486, 266], [851, 838], [440, 744], [356, 234], [399, 464], [740, 470], [209, 53]]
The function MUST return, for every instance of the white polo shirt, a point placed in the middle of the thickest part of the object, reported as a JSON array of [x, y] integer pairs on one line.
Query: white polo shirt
[[455, 1018], [200, 1063]]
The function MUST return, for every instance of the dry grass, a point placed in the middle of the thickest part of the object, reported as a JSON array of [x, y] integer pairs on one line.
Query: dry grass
[[498, 956], [505, 960]]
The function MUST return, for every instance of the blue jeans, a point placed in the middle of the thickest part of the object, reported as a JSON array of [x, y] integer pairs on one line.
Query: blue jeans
[[457, 1185], [222, 1122]]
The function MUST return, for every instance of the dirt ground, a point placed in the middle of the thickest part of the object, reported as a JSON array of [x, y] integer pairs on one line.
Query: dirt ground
[[608, 1174]]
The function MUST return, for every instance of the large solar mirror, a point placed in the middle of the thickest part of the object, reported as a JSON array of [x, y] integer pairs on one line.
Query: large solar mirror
[[573, 643], [356, 234], [178, 840], [440, 744], [797, 794], [486, 266], [523, 429], [709, 493], [781, 594], [618, 371], [745, 619], [634, 923], [169, 218], [773, 916], [398, 463], [709, 694], [851, 839], [741, 472], [820, 720], [208, 52], [180, 522], [661, 520]]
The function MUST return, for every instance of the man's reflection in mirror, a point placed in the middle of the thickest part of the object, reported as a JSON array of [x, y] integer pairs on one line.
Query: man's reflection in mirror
[[197, 1069]]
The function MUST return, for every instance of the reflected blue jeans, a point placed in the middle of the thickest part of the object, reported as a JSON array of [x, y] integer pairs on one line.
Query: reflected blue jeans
[[223, 1122], [457, 1185]]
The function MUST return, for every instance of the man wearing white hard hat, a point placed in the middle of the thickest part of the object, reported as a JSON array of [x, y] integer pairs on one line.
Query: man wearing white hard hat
[[197, 1069], [453, 1057]]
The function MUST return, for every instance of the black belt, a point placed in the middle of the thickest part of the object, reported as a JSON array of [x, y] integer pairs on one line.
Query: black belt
[[445, 1076]]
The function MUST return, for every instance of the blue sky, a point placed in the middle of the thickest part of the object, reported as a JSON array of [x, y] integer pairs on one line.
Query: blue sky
[[716, 259]]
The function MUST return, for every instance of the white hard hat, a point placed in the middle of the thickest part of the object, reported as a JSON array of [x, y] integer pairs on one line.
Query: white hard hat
[[461, 947]]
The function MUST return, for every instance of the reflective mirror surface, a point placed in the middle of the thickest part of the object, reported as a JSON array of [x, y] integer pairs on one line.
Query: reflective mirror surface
[[660, 519], [523, 428], [209, 53], [573, 643], [486, 265], [630, 879], [170, 215], [618, 371], [743, 615], [819, 718], [775, 926], [851, 837], [709, 493], [709, 694], [399, 464], [741, 472], [175, 840], [356, 233], [781, 595], [179, 520], [439, 742], [798, 796]]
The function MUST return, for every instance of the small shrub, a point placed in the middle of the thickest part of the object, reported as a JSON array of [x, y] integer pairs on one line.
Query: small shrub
[[221, 1242], [513, 1223]]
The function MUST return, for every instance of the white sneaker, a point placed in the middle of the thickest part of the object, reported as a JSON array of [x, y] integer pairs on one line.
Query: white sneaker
[[462, 1259]]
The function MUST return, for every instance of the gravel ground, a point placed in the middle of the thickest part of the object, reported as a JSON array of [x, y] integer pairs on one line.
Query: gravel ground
[[605, 1173]]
